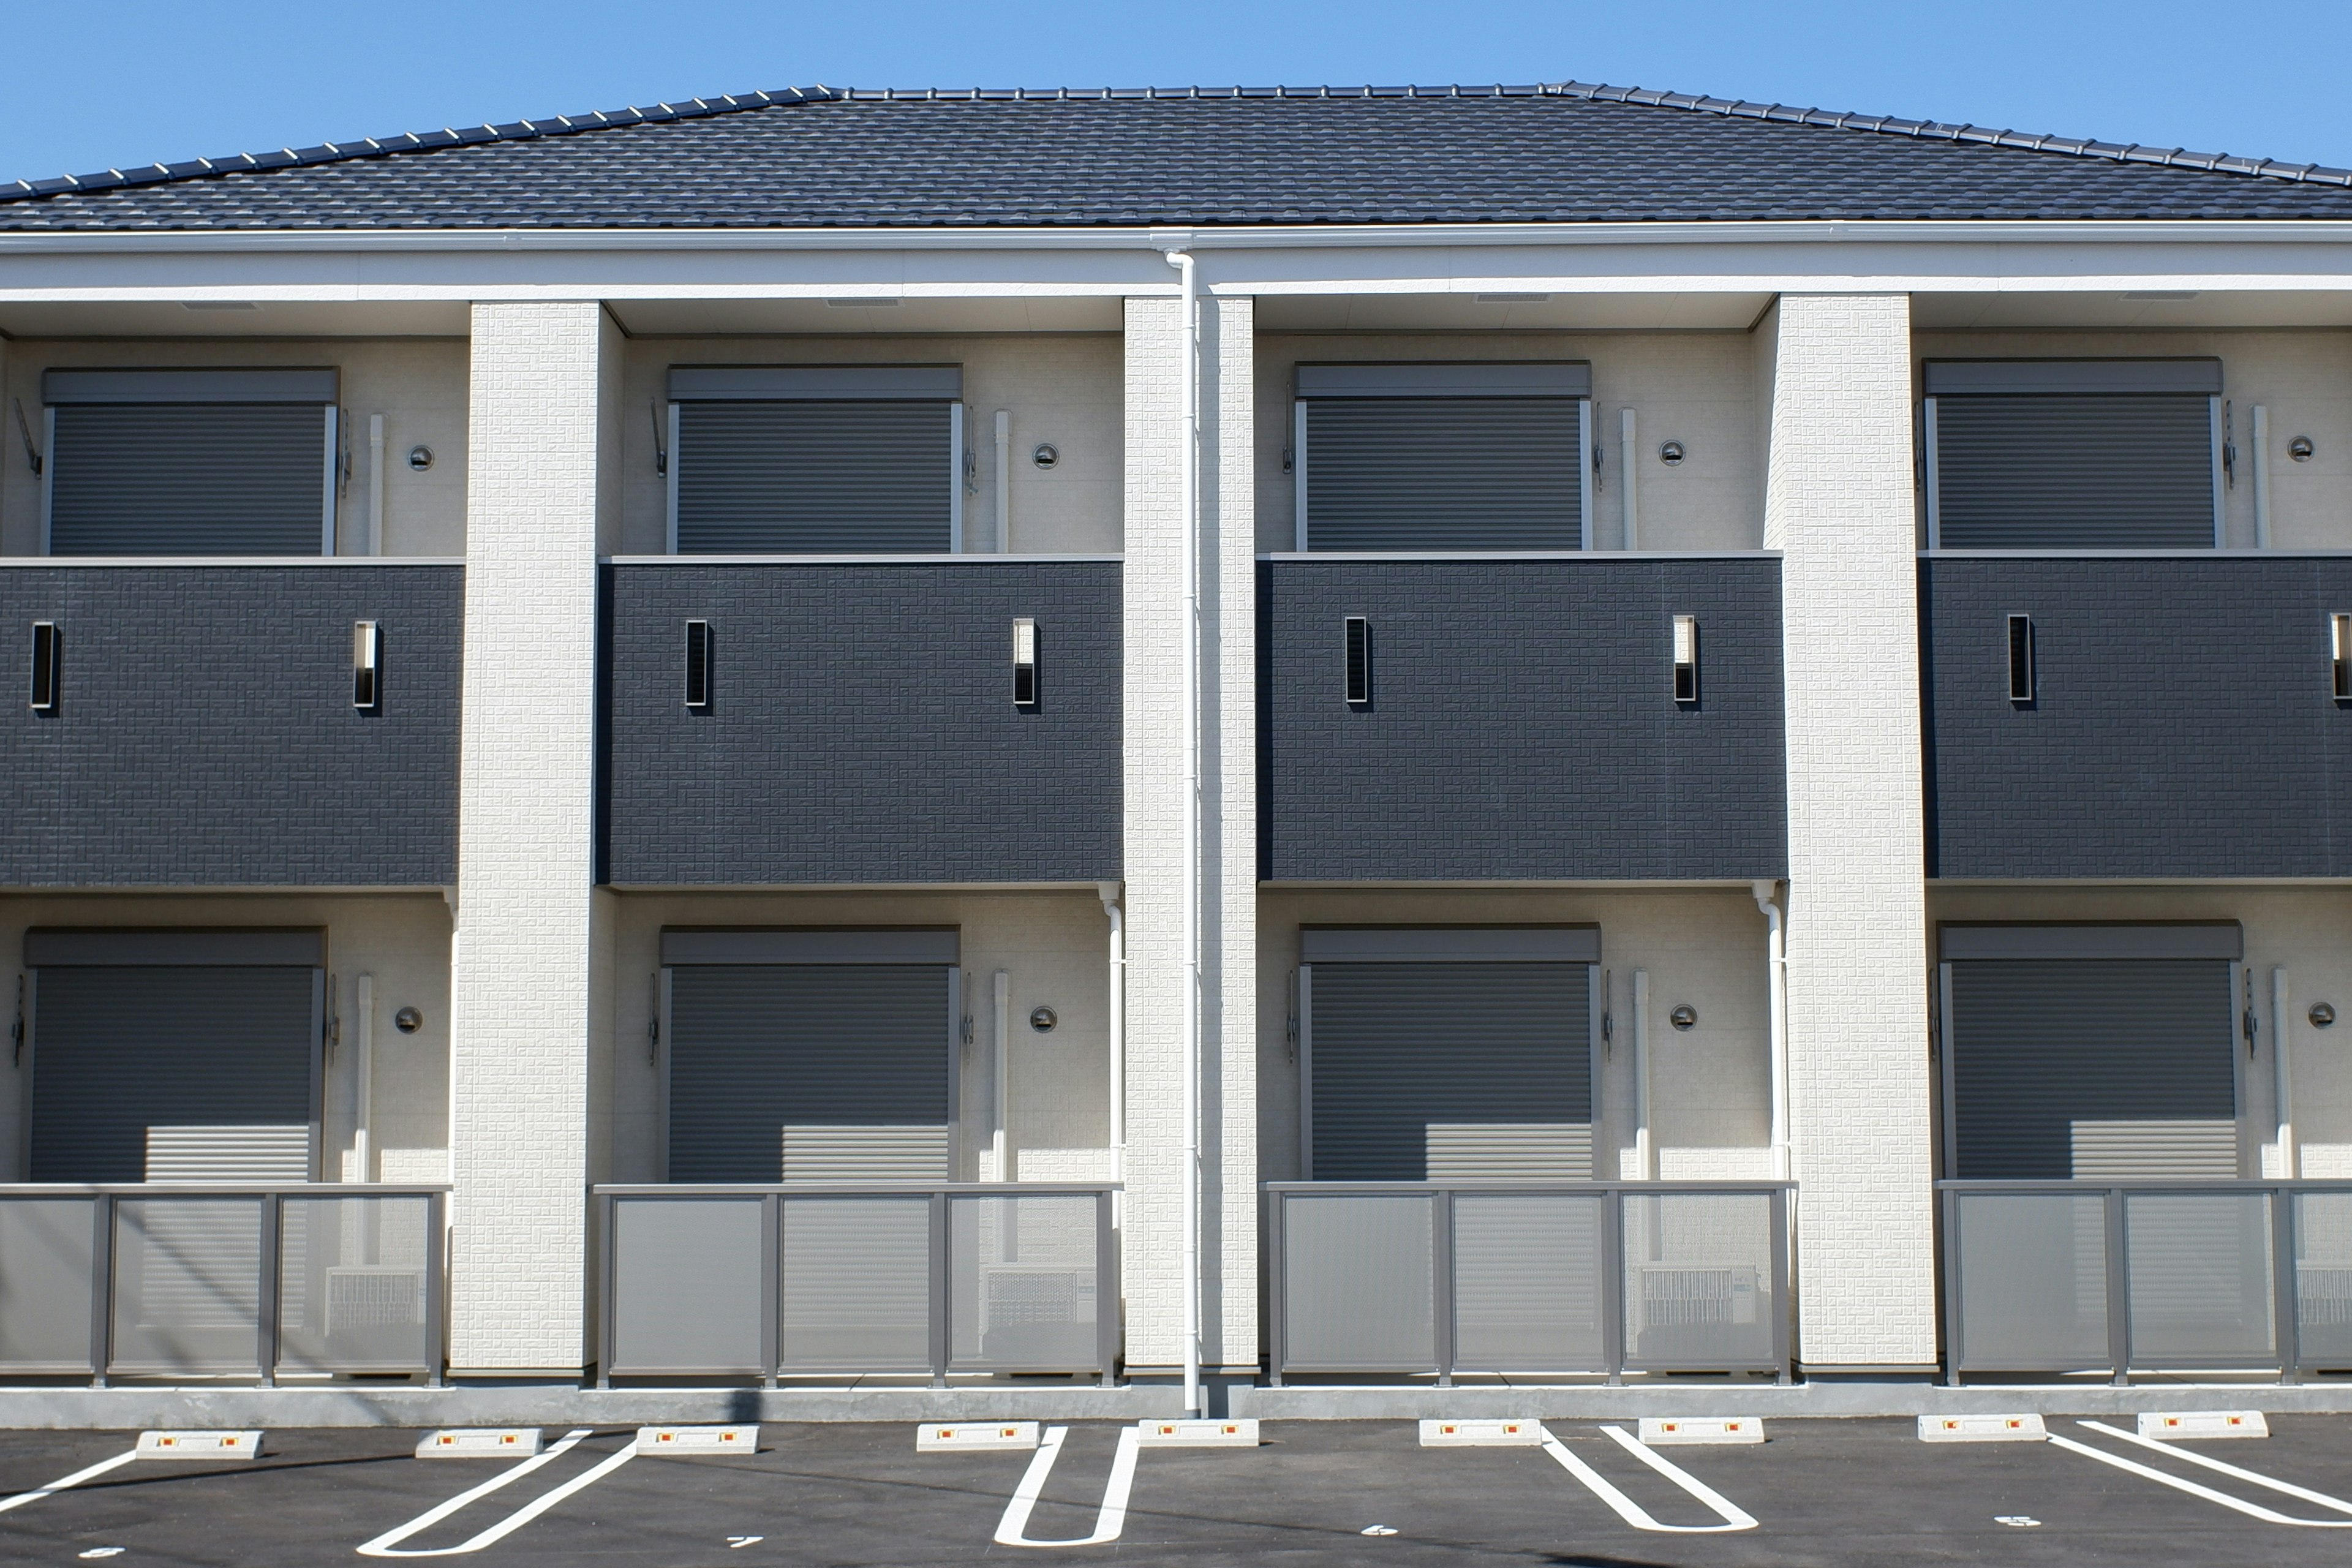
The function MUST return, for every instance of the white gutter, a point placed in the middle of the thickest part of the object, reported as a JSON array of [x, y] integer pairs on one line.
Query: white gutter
[[1110, 893], [1190, 504], [1005, 481], [374, 544], [1775, 960], [1645, 1158], [2261, 454], [364, 1071], [2283, 1072], [1628, 490], [1000, 1137]]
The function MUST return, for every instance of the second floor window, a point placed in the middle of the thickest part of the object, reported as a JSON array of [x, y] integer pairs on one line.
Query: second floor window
[[2120, 453], [817, 460], [1435, 457]]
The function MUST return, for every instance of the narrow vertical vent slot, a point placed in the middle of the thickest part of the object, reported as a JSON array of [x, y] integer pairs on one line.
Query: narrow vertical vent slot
[[1359, 660], [1025, 663], [1686, 659], [367, 679], [697, 665], [2020, 658], [46, 660]]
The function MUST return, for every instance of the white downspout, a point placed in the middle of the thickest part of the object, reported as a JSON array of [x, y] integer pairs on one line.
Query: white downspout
[[1776, 960], [1110, 891], [1190, 503], [2262, 444], [1645, 1158], [1000, 1140], [2281, 1070], [1005, 481], [375, 485], [364, 1070], [1627, 487]]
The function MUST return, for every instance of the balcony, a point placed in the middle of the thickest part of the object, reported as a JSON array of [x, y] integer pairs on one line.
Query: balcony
[[823, 1281], [1439, 1280], [860, 722], [2117, 1279], [2179, 718], [234, 1281], [1519, 718], [205, 730]]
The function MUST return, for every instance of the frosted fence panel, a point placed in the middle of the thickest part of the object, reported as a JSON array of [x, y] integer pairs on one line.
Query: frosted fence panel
[[686, 1294], [45, 1283], [2322, 1278], [1528, 1271], [188, 1284], [2033, 1280], [1026, 1285], [857, 1284], [1699, 1291], [2200, 1278], [1355, 1282]]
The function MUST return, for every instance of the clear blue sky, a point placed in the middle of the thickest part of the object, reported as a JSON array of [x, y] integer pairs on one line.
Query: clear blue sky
[[91, 84]]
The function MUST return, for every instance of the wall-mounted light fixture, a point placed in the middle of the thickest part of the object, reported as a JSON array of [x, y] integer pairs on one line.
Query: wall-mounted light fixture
[[1672, 453], [1358, 638], [367, 653], [2339, 638], [1683, 1017], [698, 666], [45, 661], [1686, 659], [2301, 448], [420, 457], [2020, 658], [1045, 456], [1025, 663]]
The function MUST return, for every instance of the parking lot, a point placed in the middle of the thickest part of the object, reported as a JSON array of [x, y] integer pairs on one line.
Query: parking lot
[[1820, 1492]]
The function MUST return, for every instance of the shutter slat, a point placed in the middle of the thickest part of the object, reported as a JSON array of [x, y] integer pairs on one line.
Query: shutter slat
[[210, 1067], [2087, 1068], [224, 479], [808, 478], [2074, 471], [808, 1072], [1444, 473], [1451, 1070]]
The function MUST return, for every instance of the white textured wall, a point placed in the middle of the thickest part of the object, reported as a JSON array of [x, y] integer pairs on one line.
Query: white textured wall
[[528, 983], [1060, 388], [1154, 847], [1839, 501], [418, 384]]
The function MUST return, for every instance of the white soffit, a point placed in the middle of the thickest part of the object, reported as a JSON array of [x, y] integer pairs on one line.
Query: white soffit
[[2152, 307], [1467, 312], [227, 318], [870, 311]]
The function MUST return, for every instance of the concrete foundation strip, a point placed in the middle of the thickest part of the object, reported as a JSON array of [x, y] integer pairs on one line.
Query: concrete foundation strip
[[1011, 1531], [1732, 1515], [2252, 1509], [388, 1543]]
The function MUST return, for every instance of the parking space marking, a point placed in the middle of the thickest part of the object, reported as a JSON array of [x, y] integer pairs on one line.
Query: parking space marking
[[2253, 1509], [1011, 1531], [1733, 1516], [388, 1543], [63, 1482]]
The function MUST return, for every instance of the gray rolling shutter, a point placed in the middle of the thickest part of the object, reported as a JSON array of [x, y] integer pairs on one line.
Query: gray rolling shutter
[[2092, 1068], [1436, 1070], [199, 478], [808, 478], [2074, 454], [175, 1072], [1442, 473], [809, 1072]]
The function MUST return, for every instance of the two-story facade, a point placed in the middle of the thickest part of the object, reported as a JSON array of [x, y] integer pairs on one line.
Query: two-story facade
[[1377, 737]]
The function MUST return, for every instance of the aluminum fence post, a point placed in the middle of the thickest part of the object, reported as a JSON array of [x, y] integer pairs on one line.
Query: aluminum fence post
[[1783, 1303], [1613, 1283], [607, 1288], [1107, 1317], [2118, 1288], [272, 1274], [436, 1288], [1956, 1339], [1441, 1283], [1278, 1337], [942, 1331], [772, 1286], [2287, 1305], [101, 1288]]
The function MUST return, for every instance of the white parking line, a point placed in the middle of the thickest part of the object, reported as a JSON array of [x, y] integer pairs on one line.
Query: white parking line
[[388, 1543], [1733, 1516], [2253, 1509], [1109, 1522], [100, 1469]]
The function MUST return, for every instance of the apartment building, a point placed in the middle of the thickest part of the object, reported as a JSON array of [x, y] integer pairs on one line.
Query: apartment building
[[1230, 740]]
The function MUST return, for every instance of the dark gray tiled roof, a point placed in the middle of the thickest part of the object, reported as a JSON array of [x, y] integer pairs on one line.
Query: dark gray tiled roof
[[815, 158]]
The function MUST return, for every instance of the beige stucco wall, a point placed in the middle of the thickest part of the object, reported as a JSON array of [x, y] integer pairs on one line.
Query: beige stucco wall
[[1061, 389], [401, 939], [418, 384], [2304, 377], [1710, 1087], [1699, 388]]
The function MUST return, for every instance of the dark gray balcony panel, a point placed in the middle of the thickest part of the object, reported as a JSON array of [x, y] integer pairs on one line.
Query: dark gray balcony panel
[[2183, 724], [1523, 722], [861, 726], [205, 735]]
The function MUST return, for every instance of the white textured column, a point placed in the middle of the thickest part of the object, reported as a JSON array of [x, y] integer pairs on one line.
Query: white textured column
[[1839, 503], [1155, 857], [526, 991]]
